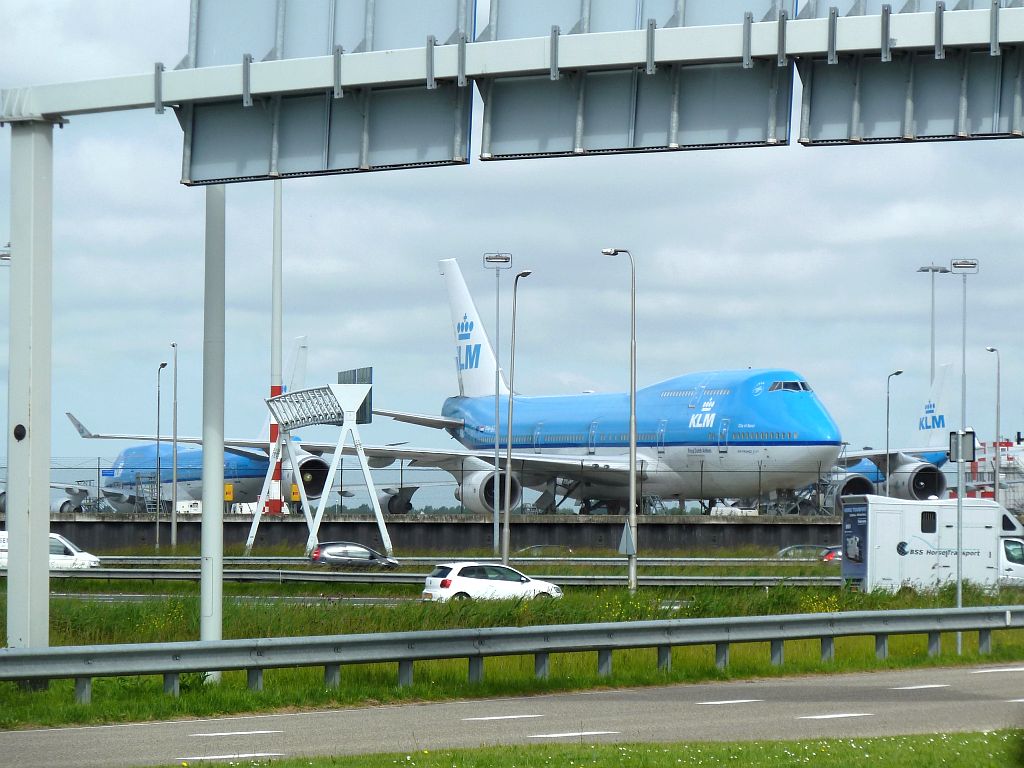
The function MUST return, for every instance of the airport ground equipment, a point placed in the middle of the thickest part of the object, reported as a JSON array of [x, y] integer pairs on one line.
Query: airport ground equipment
[[171, 660], [890, 543], [335, 404]]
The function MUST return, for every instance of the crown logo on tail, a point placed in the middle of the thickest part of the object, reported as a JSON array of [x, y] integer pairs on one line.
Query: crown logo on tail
[[707, 405], [464, 329]]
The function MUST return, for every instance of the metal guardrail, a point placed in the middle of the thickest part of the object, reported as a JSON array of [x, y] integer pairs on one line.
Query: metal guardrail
[[269, 575], [158, 560], [83, 663]]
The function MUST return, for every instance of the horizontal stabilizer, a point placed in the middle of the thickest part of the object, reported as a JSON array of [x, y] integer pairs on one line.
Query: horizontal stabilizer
[[423, 420]]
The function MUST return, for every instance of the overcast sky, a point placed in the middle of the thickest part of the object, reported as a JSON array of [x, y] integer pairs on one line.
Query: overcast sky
[[796, 257]]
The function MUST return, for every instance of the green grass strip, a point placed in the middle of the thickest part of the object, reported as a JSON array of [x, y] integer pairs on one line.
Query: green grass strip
[[992, 749]]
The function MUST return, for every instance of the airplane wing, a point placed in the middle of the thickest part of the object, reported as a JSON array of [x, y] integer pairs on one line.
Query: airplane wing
[[935, 456], [609, 469], [78, 493], [248, 448]]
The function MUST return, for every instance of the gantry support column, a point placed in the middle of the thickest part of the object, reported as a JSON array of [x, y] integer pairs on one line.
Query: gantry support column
[[211, 575], [28, 393]]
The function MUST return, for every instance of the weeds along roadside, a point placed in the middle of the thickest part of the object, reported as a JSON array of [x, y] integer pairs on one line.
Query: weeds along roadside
[[176, 618]]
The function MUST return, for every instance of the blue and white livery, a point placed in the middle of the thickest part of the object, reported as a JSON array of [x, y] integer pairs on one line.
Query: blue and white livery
[[705, 435]]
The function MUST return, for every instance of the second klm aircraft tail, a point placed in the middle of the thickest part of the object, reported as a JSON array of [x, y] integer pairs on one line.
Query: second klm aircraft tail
[[474, 355], [932, 424]]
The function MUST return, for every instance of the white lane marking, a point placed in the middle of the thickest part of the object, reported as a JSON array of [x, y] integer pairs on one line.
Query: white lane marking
[[1015, 701], [835, 717], [920, 687], [235, 756], [573, 734], [732, 701], [501, 717], [1001, 669], [235, 733]]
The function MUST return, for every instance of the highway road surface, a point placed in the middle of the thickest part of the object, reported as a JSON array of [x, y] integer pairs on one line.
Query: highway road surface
[[848, 705]]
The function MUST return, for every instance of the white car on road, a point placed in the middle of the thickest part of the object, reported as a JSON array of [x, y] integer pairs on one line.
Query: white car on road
[[483, 581], [64, 555]]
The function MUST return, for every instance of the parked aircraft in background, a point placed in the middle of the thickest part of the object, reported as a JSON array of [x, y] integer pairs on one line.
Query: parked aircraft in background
[[705, 435], [914, 473], [129, 487]]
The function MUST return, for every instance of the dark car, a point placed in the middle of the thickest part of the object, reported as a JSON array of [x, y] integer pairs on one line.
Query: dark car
[[350, 554]]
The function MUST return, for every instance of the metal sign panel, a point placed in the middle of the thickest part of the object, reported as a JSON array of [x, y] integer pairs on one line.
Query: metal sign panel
[[334, 131], [364, 415], [648, 108], [940, 93]]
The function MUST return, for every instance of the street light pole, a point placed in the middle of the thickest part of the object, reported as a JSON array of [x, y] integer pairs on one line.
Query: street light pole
[[174, 450], [158, 372], [497, 262], [933, 270], [632, 411], [887, 381], [963, 267], [506, 531], [995, 484]]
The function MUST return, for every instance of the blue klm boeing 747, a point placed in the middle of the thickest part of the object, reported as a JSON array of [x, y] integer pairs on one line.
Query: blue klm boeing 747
[[707, 435]]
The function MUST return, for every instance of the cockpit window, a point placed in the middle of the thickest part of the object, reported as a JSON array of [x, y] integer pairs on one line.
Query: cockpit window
[[790, 386]]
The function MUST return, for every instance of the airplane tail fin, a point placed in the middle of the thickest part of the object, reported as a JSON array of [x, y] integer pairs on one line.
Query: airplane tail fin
[[82, 430], [297, 378], [474, 355], [294, 375], [933, 423]]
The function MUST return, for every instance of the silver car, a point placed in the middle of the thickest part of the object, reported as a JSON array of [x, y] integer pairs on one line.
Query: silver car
[[350, 554]]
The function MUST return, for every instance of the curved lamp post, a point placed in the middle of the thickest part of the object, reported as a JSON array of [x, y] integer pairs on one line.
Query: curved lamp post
[[497, 262], [887, 381], [962, 267], [632, 408], [505, 531]]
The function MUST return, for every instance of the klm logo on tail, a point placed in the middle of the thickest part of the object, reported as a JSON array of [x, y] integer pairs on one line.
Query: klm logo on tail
[[931, 419], [469, 354]]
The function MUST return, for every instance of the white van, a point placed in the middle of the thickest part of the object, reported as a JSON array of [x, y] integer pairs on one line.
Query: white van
[[888, 543], [64, 555]]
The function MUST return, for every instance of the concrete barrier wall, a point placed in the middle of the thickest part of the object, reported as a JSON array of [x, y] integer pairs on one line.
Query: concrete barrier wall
[[109, 535]]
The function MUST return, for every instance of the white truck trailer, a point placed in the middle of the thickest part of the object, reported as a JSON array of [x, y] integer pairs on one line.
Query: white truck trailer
[[889, 543]]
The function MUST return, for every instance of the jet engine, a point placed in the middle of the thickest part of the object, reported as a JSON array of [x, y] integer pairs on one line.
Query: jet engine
[[854, 484], [477, 491], [3, 502], [396, 501], [916, 481], [65, 507], [312, 474]]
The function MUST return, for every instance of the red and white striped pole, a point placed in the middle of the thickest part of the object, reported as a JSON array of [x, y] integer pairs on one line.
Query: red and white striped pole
[[274, 501]]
